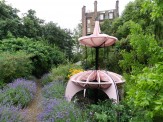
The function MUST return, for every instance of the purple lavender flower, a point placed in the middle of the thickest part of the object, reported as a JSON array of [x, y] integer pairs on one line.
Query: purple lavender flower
[[59, 110], [30, 85], [18, 93], [53, 90], [10, 114]]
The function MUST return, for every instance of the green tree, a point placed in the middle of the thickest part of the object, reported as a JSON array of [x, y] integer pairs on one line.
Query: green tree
[[61, 38], [32, 25], [143, 74], [9, 21], [156, 7], [43, 56], [145, 95], [77, 49]]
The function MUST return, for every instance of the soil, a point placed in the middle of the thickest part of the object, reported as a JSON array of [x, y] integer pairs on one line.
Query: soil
[[34, 107]]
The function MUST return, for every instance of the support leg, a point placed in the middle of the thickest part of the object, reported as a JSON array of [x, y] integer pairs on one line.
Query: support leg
[[71, 90]]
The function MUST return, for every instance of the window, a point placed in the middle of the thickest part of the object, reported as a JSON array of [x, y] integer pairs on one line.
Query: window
[[101, 16], [88, 21], [110, 15], [88, 30]]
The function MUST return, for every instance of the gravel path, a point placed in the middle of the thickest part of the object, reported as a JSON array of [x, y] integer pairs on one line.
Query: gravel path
[[34, 107]]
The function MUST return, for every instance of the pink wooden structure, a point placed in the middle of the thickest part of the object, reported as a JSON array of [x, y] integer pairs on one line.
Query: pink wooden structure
[[95, 79]]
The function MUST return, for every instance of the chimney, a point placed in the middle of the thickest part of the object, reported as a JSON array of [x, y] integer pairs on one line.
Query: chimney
[[117, 8], [95, 9], [83, 21]]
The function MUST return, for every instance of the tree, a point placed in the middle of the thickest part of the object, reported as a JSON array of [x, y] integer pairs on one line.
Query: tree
[[156, 7], [32, 25], [77, 49], [9, 21], [62, 38], [143, 70], [145, 95]]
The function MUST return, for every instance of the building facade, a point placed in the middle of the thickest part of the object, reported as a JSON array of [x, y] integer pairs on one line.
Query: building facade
[[88, 18]]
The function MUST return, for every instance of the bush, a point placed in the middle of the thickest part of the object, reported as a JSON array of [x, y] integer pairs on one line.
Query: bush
[[45, 79], [53, 90], [60, 111], [107, 111], [43, 55], [60, 73], [56, 108], [18, 93], [14, 65], [10, 114], [63, 72], [145, 96], [74, 71]]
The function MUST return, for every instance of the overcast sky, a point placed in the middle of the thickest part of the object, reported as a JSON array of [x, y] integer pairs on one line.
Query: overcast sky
[[67, 13]]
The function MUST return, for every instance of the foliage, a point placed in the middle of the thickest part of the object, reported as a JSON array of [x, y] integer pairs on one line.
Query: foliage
[[108, 58], [32, 25], [55, 89], [45, 79], [9, 20], [108, 111], [18, 93], [155, 5], [144, 50], [139, 12], [53, 34], [62, 71], [74, 71], [77, 33], [143, 81], [43, 55], [77, 50], [146, 95], [60, 110], [10, 114], [55, 107], [156, 16], [14, 65]]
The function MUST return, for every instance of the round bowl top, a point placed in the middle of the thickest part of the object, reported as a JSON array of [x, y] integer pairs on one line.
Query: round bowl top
[[96, 79]]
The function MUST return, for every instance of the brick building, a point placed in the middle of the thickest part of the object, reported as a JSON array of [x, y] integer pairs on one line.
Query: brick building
[[88, 18]]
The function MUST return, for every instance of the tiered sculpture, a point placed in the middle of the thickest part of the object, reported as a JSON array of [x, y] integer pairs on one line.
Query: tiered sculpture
[[96, 79]]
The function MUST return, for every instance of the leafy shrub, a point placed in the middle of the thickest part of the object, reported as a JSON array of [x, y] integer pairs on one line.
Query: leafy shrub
[[107, 111], [74, 71], [10, 114], [145, 96], [56, 108], [14, 65], [43, 55], [144, 51], [45, 79], [62, 71], [18, 93], [53, 90], [60, 110]]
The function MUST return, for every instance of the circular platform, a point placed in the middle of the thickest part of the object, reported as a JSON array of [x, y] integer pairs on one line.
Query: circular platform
[[97, 39], [100, 79]]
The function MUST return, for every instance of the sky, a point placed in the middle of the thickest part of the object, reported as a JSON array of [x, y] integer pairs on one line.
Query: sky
[[66, 13]]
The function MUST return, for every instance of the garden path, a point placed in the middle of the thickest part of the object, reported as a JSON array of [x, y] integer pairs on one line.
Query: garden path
[[34, 107]]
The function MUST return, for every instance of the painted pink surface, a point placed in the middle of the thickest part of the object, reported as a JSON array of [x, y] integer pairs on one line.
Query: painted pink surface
[[95, 79], [97, 39]]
